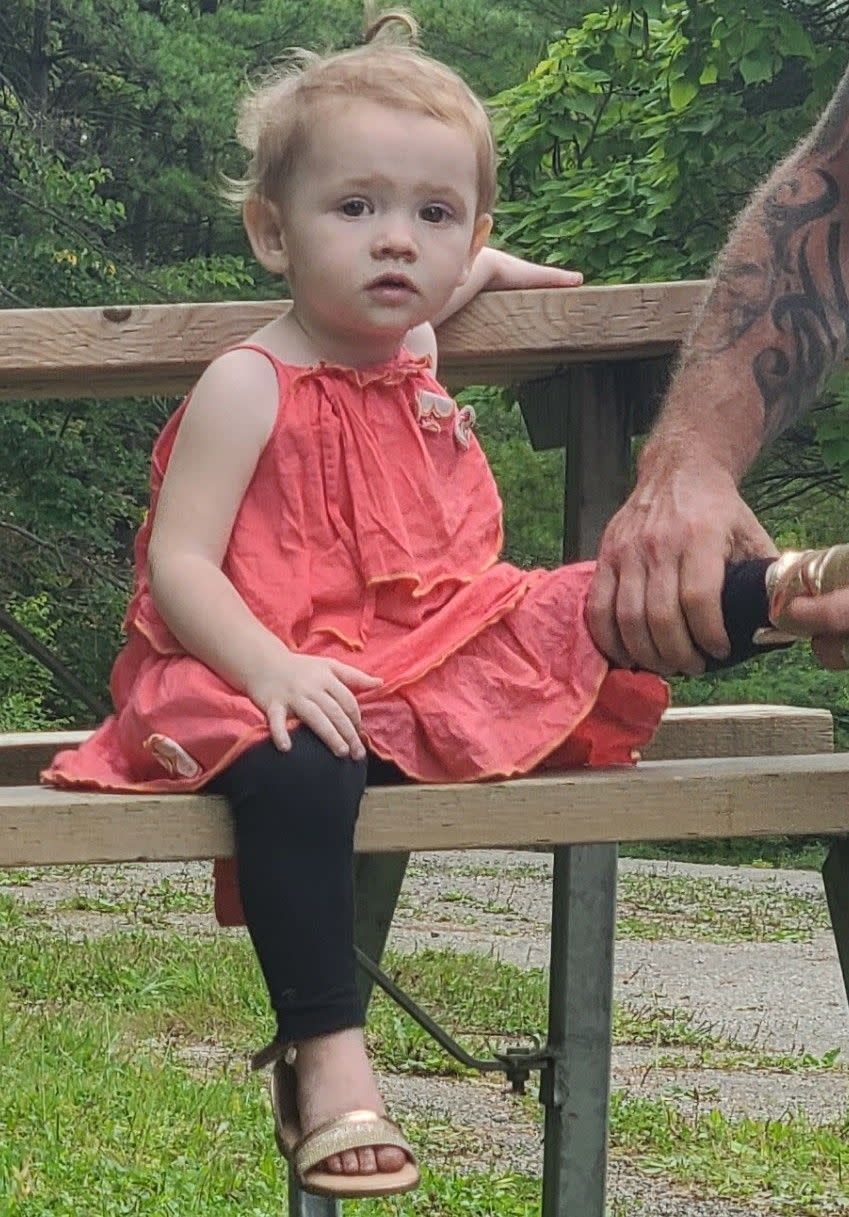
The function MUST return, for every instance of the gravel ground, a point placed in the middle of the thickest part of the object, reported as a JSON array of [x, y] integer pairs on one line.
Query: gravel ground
[[773, 996], [783, 996]]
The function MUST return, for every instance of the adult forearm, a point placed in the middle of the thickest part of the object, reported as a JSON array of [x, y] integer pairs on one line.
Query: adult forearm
[[774, 325], [207, 615]]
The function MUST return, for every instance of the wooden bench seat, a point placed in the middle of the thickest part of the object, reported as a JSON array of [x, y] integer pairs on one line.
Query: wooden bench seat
[[725, 797], [706, 796]]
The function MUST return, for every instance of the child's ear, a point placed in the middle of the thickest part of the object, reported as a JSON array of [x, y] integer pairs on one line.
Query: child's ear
[[264, 227], [480, 236]]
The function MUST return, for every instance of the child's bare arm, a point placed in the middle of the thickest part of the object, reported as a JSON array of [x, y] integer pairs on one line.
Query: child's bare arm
[[494, 270], [221, 437]]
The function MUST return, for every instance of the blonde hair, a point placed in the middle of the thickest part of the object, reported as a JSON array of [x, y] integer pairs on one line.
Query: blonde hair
[[390, 69]]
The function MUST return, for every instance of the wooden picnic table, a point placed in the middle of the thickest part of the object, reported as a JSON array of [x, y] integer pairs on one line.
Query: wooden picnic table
[[588, 366]]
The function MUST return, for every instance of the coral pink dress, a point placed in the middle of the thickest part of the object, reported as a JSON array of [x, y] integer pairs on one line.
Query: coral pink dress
[[370, 533]]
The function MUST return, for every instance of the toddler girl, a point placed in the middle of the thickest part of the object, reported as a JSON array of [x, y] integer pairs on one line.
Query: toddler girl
[[319, 600]]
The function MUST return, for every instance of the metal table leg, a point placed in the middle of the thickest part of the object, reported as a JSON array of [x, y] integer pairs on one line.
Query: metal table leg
[[575, 1086]]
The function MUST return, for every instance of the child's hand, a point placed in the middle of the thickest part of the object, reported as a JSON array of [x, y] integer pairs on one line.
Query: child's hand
[[507, 272], [319, 692], [493, 270]]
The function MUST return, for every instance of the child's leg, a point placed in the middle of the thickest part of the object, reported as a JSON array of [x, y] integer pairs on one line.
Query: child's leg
[[745, 609], [294, 815]]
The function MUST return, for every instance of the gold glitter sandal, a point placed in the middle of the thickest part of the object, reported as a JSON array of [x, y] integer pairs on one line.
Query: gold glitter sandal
[[353, 1130], [807, 572]]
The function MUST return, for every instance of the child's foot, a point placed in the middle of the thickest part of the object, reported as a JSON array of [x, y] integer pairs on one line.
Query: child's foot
[[334, 1077], [758, 592], [808, 572]]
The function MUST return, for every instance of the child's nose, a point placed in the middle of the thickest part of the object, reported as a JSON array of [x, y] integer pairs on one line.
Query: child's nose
[[395, 240]]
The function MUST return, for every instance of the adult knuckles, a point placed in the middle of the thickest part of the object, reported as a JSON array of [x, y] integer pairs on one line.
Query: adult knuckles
[[662, 618], [630, 618], [693, 596]]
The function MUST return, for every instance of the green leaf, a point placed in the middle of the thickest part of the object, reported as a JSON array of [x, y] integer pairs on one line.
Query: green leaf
[[681, 93], [795, 40], [756, 67]]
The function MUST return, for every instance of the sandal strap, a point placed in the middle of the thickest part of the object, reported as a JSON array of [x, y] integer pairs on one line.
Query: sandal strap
[[271, 1054], [353, 1130]]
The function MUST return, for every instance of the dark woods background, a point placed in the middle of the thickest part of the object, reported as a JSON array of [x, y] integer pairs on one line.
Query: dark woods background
[[631, 134]]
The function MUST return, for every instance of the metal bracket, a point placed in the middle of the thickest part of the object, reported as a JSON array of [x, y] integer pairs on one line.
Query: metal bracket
[[517, 1063]]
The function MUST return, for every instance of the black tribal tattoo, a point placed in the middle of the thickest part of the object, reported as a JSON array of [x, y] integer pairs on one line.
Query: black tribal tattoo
[[793, 273], [811, 312]]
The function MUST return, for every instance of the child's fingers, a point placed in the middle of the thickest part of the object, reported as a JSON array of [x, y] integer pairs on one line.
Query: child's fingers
[[313, 716], [343, 723], [353, 677], [346, 700], [277, 715]]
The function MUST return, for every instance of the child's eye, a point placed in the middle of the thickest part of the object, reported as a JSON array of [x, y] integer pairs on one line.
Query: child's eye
[[435, 213], [354, 207]]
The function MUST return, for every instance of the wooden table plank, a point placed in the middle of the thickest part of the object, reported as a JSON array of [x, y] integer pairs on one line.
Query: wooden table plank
[[501, 337], [685, 731]]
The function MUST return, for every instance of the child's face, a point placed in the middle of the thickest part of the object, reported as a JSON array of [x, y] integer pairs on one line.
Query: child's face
[[378, 226]]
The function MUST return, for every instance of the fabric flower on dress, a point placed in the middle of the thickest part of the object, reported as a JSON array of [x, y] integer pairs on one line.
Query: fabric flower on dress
[[172, 757], [432, 408], [464, 421]]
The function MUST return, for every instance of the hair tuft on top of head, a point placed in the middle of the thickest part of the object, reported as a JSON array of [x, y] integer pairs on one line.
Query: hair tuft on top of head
[[393, 25], [277, 116]]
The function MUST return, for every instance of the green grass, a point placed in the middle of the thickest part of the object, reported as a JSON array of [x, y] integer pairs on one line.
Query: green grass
[[116, 891], [651, 907], [178, 989], [768, 852], [105, 1110], [792, 1164], [731, 1057], [683, 907], [14, 915], [92, 1124]]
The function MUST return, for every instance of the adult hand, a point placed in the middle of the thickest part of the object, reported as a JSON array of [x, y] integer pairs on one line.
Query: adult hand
[[825, 620], [320, 692], [655, 600]]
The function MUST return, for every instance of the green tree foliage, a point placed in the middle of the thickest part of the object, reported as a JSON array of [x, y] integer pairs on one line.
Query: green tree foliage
[[26, 692], [627, 152], [116, 126], [631, 135], [633, 143]]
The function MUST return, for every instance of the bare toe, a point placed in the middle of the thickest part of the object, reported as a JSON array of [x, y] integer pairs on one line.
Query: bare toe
[[390, 1158], [334, 1164], [350, 1162], [368, 1161]]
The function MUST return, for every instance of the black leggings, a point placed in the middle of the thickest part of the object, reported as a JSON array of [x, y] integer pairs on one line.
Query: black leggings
[[293, 816]]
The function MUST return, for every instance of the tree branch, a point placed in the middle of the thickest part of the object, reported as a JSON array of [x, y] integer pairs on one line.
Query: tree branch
[[63, 676], [36, 540]]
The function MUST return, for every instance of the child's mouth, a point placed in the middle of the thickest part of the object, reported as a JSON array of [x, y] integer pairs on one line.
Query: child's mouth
[[392, 287]]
